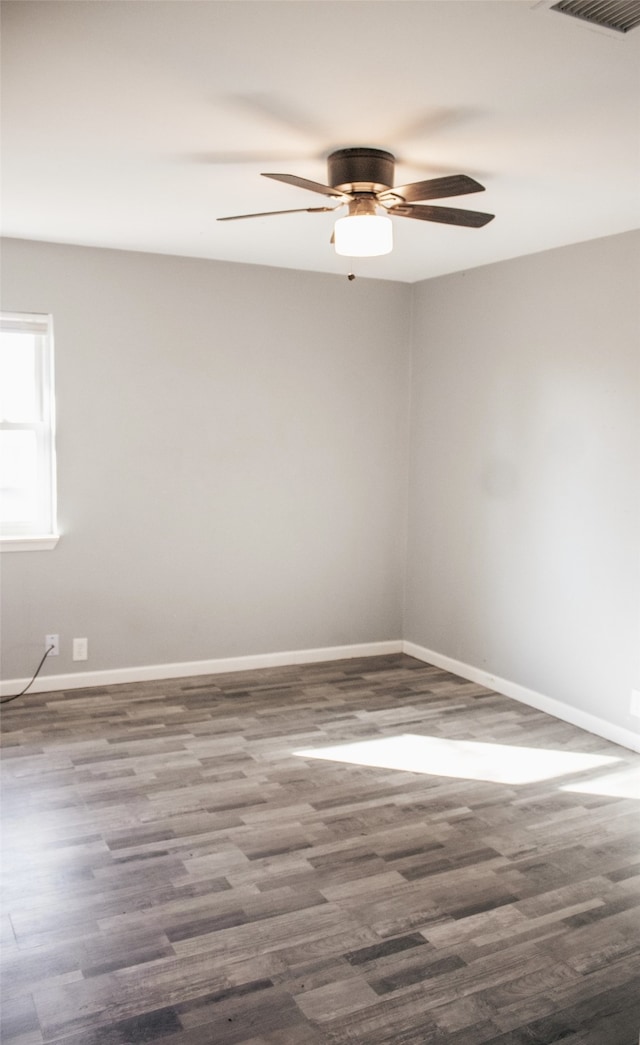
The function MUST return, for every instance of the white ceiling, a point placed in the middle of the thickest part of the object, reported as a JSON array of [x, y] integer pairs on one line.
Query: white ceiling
[[135, 124]]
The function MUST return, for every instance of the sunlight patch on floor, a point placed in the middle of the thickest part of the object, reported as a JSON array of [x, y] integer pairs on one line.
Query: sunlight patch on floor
[[624, 784], [464, 759]]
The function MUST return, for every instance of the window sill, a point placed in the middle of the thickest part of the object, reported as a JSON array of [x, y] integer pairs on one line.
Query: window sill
[[37, 543]]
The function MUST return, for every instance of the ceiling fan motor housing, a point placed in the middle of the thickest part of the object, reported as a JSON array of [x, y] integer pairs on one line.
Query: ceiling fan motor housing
[[361, 170]]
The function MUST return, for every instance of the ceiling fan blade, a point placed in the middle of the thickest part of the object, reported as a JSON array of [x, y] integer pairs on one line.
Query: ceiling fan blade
[[473, 219], [434, 188], [269, 213], [313, 186]]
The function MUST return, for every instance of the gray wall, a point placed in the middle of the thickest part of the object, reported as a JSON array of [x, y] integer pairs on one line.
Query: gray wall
[[524, 521], [234, 465], [232, 459]]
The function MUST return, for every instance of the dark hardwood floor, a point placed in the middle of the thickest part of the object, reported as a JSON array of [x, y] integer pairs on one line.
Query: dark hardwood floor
[[181, 867]]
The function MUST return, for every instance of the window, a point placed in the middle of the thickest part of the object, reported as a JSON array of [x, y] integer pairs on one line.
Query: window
[[27, 452]]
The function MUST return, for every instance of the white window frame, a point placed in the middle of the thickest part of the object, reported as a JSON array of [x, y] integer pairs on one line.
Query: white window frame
[[41, 533]]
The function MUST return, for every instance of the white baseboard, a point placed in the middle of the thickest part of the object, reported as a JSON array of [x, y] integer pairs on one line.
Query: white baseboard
[[223, 665], [591, 723]]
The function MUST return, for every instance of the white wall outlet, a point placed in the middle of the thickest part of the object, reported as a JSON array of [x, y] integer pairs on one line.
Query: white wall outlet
[[634, 706], [52, 640], [80, 649]]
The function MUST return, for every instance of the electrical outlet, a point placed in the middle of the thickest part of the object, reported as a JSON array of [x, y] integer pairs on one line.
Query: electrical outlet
[[52, 640], [634, 707], [80, 649]]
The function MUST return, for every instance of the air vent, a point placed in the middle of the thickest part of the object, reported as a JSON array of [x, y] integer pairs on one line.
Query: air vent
[[621, 15]]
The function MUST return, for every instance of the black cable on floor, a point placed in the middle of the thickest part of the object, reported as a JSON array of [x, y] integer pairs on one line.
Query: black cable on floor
[[8, 700]]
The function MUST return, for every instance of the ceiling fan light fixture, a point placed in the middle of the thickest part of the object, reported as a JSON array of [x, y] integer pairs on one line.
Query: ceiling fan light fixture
[[363, 235], [362, 179]]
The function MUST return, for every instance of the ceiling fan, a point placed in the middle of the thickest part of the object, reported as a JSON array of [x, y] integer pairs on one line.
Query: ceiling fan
[[362, 180]]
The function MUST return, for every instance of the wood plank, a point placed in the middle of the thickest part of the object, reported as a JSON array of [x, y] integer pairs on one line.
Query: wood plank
[[175, 873]]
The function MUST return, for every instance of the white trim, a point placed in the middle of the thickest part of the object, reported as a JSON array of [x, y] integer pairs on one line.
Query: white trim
[[45, 543], [152, 672], [557, 708]]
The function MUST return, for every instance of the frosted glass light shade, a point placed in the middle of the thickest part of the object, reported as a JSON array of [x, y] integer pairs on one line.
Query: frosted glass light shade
[[363, 235]]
